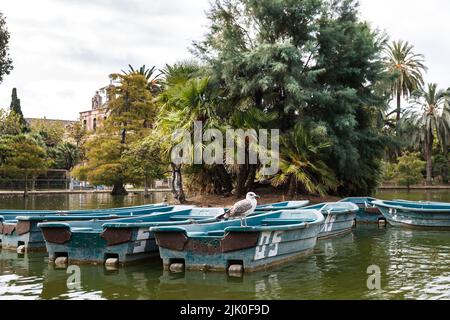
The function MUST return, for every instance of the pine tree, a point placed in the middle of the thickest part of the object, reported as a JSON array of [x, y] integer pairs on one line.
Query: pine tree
[[17, 109]]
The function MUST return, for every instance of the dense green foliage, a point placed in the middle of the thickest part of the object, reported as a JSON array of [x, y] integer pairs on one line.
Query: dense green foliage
[[313, 69], [408, 170], [5, 60], [281, 57], [22, 157], [131, 115]]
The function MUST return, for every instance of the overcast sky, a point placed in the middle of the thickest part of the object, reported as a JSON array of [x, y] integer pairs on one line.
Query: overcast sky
[[63, 50]]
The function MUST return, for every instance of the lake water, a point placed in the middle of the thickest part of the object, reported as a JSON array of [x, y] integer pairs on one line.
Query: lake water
[[414, 264]]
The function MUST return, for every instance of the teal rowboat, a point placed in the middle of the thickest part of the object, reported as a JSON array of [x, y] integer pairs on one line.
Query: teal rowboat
[[22, 231], [12, 214], [270, 238], [415, 214], [121, 240], [339, 217], [367, 213], [286, 205]]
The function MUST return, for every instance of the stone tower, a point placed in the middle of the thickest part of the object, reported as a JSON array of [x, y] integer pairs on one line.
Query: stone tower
[[97, 101]]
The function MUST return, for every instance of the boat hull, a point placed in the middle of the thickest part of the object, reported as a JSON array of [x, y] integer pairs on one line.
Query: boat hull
[[25, 231], [127, 240], [339, 218], [415, 218], [127, 245], [269, 240], [12, 214], [269, 249], [367, 213], [22, 233], [337, 224]]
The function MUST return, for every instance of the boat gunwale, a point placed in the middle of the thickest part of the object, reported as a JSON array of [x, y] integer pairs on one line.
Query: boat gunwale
[[319, 220], [381, 203], [134, 224]]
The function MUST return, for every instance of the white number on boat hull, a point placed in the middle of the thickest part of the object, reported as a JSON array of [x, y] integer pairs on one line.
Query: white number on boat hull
[[392, 211], [268, 244], [139, 246], [329, 221]]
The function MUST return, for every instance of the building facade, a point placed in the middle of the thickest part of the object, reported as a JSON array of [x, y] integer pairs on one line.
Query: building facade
[[93, 118]]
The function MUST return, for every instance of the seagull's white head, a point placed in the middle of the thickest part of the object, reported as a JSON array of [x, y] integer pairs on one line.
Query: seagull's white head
[[251, 196]]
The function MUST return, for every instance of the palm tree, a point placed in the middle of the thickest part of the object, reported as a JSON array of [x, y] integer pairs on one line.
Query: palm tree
[[430, 113], [149, 75], [179, 73], [301, 166], [67, 156], [405, 68], [183, 100]]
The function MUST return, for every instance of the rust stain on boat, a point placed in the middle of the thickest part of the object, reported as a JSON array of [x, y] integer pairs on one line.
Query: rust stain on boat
[[56, 235], [171, 240], [117, 236], [372, 210], [231, 242], [238, 241], [23, 227], [8, 229]]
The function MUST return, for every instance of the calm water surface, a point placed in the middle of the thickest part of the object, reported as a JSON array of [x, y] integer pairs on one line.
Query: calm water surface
[[414, 265]]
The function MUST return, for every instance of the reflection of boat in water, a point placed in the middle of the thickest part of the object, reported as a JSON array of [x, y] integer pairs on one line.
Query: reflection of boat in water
[[20, 275], [276, 283], [21, 264], [97, 282]]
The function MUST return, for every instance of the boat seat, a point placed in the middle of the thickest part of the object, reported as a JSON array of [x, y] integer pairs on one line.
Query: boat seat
[[190, 217], [82, 229], [275, 221], [216, 233]]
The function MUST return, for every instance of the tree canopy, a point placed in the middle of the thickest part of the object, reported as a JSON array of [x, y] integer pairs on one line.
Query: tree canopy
[[5, 60]]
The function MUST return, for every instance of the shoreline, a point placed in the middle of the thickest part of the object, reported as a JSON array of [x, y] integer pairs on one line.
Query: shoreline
[[49, 192], [441, 187]]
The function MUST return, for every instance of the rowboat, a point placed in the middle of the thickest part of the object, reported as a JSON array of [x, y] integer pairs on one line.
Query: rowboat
[[367, 212], [339, 217], [269, 239], [118, 241], [286, 205], [23, 232], [12, 214], [415, 214]]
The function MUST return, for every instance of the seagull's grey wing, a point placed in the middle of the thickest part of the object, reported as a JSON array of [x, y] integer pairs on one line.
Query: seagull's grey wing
[[239, 208]]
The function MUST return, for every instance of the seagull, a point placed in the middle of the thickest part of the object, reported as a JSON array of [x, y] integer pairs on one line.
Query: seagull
[[242, 209]]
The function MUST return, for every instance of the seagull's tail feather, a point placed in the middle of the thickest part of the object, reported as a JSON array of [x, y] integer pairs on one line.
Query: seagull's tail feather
[[223, 216]]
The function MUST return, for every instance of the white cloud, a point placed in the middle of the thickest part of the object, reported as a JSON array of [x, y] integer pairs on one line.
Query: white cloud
[[63, 50], [422, 23]]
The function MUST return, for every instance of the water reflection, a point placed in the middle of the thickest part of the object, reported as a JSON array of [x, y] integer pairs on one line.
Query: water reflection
[[415, 195], [78, 201], [413, 263]]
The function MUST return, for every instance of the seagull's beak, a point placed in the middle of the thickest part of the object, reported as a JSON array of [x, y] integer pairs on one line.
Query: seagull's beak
[[256, 196]]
